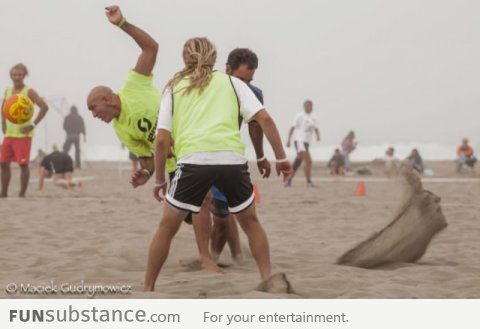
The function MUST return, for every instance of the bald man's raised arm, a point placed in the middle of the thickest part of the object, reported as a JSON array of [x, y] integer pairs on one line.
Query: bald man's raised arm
[[146, 60]]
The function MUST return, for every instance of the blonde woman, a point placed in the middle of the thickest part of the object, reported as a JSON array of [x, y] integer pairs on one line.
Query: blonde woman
[[200, 111]]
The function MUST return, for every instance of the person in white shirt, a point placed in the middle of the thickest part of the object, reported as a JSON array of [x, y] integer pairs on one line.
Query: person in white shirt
[[304, 125], [200, 111], [390, 162]]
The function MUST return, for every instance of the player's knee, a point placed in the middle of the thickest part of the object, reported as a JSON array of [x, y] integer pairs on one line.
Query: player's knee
[[248, 221], [220, 225], [169, 226]]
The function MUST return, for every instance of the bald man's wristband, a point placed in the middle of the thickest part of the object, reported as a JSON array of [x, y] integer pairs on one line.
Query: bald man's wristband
[[122, 22], [146, 171]]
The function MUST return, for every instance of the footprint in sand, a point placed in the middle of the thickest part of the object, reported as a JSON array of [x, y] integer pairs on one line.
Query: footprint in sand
[[276, 284]]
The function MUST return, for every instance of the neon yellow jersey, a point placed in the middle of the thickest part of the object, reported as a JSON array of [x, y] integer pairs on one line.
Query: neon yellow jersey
[[136, 125], [12, 129], [208, 122]]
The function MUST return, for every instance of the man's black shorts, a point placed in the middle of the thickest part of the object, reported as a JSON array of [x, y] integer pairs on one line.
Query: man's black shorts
[[188, 219], [192, 182]]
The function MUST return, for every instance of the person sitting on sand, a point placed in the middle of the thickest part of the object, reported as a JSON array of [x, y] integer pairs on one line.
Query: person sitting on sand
[[416, 161], [389, 161], [465, 155], [337, 163], [59, 166]]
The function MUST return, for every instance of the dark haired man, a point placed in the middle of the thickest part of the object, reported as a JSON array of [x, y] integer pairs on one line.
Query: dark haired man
[[241, 63]]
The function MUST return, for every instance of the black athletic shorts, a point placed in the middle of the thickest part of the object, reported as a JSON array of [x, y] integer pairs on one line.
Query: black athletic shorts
[[188, 219], [57, 163], [192, 182]]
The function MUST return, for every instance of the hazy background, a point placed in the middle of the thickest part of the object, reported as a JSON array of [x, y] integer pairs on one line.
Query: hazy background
[[397, 72]]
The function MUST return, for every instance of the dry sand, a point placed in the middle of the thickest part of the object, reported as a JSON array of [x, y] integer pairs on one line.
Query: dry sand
[[101, 234]]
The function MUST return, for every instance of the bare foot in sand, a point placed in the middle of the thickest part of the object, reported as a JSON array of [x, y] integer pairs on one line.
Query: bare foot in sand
[[209, 265], [198, 265]]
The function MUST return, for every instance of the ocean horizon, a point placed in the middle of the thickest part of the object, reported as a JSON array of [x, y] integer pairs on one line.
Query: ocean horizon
[[363, 153]]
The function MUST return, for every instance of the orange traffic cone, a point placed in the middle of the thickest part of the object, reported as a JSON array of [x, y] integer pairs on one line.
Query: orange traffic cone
[[360, 191], [256, 193]]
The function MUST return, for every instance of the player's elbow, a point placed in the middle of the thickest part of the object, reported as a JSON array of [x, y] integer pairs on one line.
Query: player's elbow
[[262, 117], [152, 47], [155, 46], [163, 138]]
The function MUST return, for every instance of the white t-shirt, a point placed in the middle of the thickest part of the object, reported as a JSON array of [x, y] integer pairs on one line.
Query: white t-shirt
[[305, 125], [390, 160], [249, 106]]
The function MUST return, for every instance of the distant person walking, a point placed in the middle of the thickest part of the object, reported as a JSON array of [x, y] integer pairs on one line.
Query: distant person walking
[[17, 140], [304, 124], [348, 146], [74, 127]]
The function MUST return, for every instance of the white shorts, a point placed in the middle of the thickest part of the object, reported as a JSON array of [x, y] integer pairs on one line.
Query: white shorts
[[301, 146]]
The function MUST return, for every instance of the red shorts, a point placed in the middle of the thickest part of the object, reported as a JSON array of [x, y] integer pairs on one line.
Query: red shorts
[[16, 149]]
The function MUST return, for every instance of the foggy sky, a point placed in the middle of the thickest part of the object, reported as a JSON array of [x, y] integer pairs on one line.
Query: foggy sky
[[394, 71]]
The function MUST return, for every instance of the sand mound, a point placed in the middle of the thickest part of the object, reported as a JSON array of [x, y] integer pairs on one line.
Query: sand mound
[[407, 237]]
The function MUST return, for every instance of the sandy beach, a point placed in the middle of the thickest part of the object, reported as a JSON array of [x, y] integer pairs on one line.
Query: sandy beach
[[100, 236]]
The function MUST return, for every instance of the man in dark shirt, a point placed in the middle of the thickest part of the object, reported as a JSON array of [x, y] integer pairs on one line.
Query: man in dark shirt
[[74, 126], [242, 64]]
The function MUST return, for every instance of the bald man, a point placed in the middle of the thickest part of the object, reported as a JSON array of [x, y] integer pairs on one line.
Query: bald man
[[134, 109]]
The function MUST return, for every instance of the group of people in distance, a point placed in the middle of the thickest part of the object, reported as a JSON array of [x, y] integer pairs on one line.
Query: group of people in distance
[[340, 163], [302, 131], [305, 126], [465, 157]]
